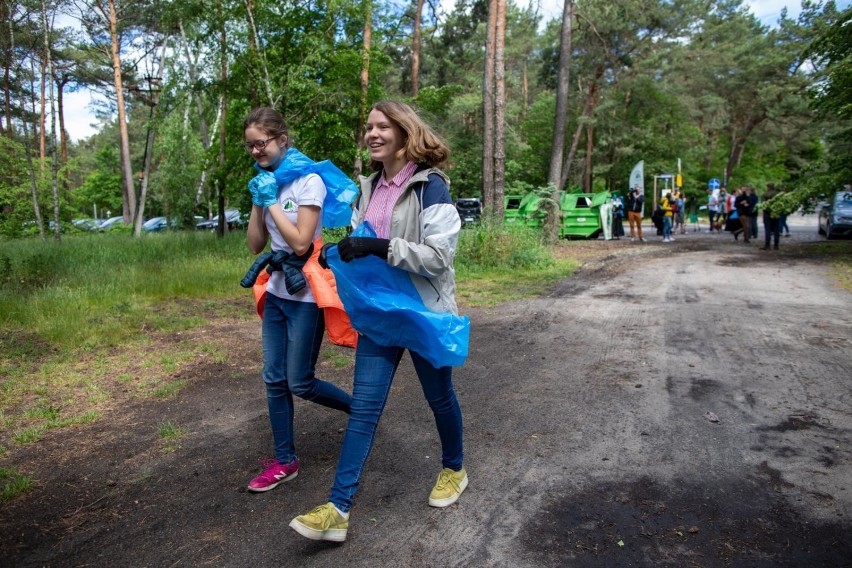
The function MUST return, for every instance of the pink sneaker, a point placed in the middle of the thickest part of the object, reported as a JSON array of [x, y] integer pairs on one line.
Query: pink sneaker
[[273, 475]]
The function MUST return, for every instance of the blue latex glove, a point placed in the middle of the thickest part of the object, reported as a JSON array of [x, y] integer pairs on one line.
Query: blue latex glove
[[263, 189]]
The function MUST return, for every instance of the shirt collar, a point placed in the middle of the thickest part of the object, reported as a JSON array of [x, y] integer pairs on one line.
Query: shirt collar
[[401, 177]]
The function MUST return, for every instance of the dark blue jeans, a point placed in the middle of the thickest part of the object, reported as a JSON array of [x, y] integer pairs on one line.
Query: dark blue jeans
[[375, 367], [771, 229], [292, 335]]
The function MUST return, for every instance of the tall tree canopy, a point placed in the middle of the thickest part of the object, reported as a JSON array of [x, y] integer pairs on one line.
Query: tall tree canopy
[[652, 80]]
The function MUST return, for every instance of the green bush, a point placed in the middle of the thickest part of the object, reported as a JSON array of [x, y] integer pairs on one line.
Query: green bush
[[511, 247], [93, 290]]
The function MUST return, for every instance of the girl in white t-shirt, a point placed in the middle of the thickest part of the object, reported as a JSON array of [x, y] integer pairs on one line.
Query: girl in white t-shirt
[[289, 215]]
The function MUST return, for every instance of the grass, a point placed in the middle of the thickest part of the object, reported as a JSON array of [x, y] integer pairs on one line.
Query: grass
[[839, 257], [497, 265], [170, 434], [13, 484], [75, 316], [338, 357]]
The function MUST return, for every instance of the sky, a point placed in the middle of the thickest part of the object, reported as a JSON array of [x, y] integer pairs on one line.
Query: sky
[[79, 118]]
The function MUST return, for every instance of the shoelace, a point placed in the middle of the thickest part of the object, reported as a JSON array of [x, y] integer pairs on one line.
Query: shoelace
[[444, 479], [323, 514]]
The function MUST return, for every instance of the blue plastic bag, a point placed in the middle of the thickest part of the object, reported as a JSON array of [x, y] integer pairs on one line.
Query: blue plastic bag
[[340, 189], [383, 304]]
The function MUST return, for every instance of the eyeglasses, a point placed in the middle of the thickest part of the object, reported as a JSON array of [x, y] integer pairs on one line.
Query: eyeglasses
[[258, 145]]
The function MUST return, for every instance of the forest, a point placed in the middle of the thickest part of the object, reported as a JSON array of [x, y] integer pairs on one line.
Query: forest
[[526, 104]]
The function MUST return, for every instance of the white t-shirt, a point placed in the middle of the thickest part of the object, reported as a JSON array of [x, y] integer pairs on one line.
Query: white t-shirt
[[306, 190], [713, 202]]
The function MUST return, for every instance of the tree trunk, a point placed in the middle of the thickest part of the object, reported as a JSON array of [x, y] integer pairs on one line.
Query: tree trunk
[[254, 44], [587, 164], [415, 49], [575, 141], [488, 115], [192, 68], [738, 143], [128, 190], [149, 146], [222, 125], [365, 85], [33, 185], [63, 136], [500, 109], [205, 173], [42, 117], [7, 70], [557, 146], [191, 64], [47, 79]]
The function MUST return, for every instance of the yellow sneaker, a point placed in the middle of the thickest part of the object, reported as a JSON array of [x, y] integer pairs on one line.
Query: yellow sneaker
[[448, 488], [323, 523]]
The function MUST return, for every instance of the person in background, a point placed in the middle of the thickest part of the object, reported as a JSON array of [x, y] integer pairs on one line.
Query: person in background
[[730, 203], [617, 216], [752, 208], [289, 215], [712, 209], [677, 212], [666, 205], [724, 211], [743, 205], [407, 202], [634, 213], [771, 221], [732, 222]]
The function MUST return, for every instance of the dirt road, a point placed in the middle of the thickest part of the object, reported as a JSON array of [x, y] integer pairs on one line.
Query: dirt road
[[686, 404]]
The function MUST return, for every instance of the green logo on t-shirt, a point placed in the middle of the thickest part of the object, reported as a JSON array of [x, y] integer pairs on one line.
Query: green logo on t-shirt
[[290, 206]]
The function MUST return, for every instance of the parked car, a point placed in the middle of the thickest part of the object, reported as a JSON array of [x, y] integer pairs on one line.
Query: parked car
[[470, 210], [233, 217], [835, 218], [156, 224], [111, 222], [85, 224]]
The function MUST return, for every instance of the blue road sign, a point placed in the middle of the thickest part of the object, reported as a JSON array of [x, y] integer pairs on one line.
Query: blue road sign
[[714, 184]]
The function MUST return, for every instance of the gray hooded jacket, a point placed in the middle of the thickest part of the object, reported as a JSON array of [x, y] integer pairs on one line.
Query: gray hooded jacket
[[424, 234]]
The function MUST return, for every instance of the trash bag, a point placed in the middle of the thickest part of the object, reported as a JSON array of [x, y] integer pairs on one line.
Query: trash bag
[[383, 304], [340, 189]]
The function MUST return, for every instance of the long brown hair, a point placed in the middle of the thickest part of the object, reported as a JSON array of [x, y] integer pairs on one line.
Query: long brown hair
[[270, 121], [422, 144]]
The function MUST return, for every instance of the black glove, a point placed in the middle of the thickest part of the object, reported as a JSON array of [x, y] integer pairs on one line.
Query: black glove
[[356, 247], [322, 260]]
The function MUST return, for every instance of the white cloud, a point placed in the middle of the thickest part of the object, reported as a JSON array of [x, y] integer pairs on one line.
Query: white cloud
[[80, 121]]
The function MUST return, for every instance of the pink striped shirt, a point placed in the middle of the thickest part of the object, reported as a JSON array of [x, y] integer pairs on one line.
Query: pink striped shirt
[[384, 197]]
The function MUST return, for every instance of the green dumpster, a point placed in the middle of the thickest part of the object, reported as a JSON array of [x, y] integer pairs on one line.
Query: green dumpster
[[511, 207], [581, 214]]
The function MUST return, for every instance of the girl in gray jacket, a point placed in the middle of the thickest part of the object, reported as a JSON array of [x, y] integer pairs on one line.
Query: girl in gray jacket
[[407, 202]]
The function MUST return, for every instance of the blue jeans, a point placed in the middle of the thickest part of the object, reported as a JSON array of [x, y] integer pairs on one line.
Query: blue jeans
[[292, 335], [667, 227], [375, 367], [771, 229]]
